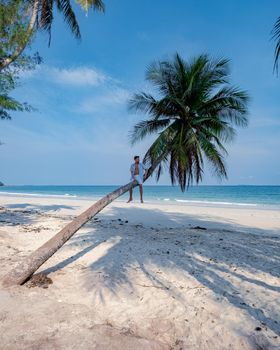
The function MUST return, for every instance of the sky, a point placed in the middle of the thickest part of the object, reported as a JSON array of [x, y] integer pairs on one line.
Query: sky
[[79, 131]]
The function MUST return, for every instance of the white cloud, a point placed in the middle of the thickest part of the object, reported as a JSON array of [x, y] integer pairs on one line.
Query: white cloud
[[76, 76], [80, 76], [103, 90], [112, 97]]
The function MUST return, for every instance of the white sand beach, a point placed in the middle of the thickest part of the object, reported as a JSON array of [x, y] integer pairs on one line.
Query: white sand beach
[[143, 276]]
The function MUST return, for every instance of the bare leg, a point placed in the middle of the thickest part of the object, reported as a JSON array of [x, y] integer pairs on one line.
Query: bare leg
[[130, 195], [141, 193]]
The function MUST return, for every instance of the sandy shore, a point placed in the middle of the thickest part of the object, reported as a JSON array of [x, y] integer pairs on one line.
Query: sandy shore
[[143, 277]]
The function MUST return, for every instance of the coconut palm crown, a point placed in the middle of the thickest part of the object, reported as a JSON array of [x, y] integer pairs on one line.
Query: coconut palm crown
[[193, 113]]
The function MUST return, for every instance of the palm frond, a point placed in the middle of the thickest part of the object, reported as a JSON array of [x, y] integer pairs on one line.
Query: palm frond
[[46, 16], [147, 127], [214, 157], [64, 6], [142, 102], [229, 103], [276, 38]]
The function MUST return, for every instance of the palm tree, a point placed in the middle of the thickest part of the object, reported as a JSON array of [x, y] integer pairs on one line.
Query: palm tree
[[194, 113], [40, 14], [276, 37]]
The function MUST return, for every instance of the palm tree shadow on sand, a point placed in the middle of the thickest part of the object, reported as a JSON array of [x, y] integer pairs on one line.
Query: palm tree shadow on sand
[[134, 247]]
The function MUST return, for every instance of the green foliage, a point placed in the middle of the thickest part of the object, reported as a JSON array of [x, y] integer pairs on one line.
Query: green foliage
[[21, 19], [8, 82], [13, 25], [193, 114]]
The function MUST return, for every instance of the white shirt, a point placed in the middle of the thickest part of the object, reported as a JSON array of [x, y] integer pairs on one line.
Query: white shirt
[[141, 168]]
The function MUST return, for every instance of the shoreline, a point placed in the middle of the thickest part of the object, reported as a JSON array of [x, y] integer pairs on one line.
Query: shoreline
[[170, 213], [160, 202]]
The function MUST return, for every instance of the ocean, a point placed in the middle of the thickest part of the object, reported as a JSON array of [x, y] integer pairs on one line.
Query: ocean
[[247, 196]]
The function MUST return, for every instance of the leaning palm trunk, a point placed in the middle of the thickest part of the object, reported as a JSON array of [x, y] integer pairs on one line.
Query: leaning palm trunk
[[7, 61], [25, 269]]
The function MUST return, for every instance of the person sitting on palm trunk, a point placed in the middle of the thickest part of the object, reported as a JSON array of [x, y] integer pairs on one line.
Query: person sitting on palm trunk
[[138, 172]]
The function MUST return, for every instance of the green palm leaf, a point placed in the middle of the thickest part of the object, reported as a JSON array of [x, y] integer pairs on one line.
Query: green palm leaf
[[46, 8], [64, 6], [276, 37]]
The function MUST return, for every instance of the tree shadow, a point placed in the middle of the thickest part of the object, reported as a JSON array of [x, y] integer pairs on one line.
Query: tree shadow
[[28, 213], [186, 252], [69, 260], [15, 218], [39, 207]]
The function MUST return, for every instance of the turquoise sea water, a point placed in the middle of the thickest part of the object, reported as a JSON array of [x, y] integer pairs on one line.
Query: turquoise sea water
[[249, 196]]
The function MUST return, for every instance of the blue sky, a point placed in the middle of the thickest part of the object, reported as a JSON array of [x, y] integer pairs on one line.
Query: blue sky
[[79, 133]]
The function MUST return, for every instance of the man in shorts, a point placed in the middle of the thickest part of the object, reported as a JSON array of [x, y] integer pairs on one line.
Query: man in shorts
[[138, 172]]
